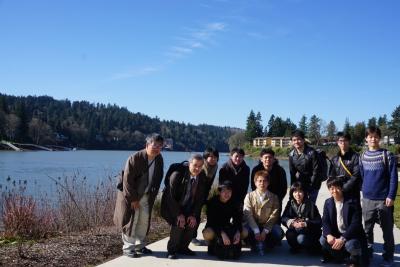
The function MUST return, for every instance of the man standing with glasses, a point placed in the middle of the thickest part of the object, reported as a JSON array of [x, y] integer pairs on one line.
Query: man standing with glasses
[[345, 166], [138, 189]]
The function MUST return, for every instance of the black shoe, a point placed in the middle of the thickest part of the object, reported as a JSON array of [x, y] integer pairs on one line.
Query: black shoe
[[145, 250], [171, 256], [131, 254], [294, 250], [187, 252], [210, 250]]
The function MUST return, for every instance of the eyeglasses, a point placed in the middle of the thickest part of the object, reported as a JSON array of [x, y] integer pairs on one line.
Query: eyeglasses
[[156, 145]]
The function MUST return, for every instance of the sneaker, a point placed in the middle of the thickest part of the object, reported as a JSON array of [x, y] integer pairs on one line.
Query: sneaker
[[145, 250], [196, 242], [171, 256], [387, 263], [131, 254]]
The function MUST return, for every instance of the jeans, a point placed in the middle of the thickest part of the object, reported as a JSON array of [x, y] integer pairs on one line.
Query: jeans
[[301, 238], [352, 247], [272, 239]]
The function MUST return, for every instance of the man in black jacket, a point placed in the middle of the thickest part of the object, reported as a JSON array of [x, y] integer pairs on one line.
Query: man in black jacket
[[181, 204], [345, 165], [304, 166], [236, 171], [277, 175]]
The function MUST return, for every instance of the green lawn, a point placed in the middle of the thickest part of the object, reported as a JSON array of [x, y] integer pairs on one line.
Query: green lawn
[[397, 208]]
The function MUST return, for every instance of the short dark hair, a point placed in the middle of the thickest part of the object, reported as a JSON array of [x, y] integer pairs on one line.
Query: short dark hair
[[210, 151], [373, 130], [153, 138], [295, 187], [237, 150], [262, 173], [334, 181], [298, 133], [346, 136], [267, 151], [225, 185]]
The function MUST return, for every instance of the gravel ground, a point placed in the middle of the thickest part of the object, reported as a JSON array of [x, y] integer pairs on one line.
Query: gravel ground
[[78, 249]]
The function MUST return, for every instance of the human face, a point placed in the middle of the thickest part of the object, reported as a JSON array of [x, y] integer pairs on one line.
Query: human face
[[212, 160], [225, 195], [298, 195], [373, 141], [261, 184], [343, 144], [298, 142], [195, 167], [267, 161], [336, 192], [237, 158], [153, 149]]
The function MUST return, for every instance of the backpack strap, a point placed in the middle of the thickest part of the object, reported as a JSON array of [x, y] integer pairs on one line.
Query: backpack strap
[[344, 166]]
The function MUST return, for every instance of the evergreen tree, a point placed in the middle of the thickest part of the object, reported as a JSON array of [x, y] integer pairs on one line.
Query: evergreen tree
[[314, 130], [346, 127], [372, 122], [271, 121], [395, 123], [331, 130], [23, 125], [359, 133], [259, 128], [303, 124], [251, 126]]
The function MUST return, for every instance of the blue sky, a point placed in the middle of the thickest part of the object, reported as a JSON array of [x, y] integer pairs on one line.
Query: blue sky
[[208, 61]]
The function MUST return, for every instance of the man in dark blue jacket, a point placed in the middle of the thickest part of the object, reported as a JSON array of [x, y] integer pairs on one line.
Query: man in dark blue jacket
[[342, 230]]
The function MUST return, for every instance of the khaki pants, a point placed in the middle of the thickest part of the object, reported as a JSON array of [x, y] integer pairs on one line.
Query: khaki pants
[[139, 227]]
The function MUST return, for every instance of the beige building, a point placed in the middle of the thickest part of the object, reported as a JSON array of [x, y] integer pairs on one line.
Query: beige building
[[272, 142], [262, 141], [281, 141]]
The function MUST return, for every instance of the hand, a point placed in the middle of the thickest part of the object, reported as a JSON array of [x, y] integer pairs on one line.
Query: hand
[[389, 202], [191, 220], [236, 238], [180, 221], [135, 205], [338, 244], [225, 239], [330, 239], [296, 224], [263, 236], [257, 237]]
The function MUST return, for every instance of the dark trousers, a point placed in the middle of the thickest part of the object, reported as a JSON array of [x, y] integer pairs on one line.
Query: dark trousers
[[302, 238], [179, 238], [352, 247], [376, 211]]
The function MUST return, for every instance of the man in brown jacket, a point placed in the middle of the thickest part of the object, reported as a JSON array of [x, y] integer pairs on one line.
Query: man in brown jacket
[[138, 189]]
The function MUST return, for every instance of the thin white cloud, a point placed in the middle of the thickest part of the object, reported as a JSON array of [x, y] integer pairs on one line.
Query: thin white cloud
[[189, 42], [195, 39]]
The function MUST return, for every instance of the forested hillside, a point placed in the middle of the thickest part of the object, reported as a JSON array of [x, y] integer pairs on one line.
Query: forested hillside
[[44, 120]]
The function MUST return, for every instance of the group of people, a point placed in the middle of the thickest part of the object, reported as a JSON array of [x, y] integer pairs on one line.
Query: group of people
[[236, 216]]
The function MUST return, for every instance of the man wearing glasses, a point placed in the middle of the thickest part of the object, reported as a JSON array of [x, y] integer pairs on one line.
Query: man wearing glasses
[[138, 189], [346, 166]]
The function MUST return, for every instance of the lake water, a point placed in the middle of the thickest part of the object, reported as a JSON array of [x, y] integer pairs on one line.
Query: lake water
[[35, 168]]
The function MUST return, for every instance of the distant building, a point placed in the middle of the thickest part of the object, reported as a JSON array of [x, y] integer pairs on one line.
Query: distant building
[[169, 143], [281, 141], [272, 142], [262, 141]]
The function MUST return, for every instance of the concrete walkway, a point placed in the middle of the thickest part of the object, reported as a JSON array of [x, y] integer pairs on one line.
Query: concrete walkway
[[280, 256]]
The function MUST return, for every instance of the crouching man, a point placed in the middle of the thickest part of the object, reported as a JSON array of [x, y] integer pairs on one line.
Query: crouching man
[[343, 238], [181, 204]]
